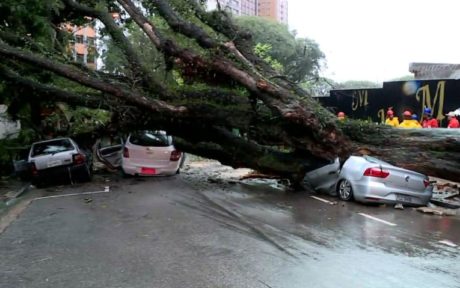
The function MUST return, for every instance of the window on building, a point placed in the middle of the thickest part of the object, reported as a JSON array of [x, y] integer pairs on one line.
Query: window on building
[[81, 58], [79, 39]]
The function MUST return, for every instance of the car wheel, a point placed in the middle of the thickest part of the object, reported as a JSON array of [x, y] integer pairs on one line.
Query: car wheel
[[344, 190], [178, 171]]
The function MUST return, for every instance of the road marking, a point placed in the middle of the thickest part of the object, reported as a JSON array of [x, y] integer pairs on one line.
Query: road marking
[[377, 219], [323, 200], [106, 190], [448, 243]]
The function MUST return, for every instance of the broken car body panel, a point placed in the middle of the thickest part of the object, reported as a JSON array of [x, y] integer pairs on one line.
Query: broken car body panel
[[374, 181]]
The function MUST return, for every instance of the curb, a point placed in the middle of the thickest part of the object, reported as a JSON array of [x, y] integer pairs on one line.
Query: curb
[[24, 189]]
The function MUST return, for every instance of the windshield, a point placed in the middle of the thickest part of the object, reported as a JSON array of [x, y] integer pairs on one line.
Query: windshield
[[150, 138], [52, 147]]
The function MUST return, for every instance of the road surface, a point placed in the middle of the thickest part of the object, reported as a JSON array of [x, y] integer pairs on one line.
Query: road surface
[[181, 232]]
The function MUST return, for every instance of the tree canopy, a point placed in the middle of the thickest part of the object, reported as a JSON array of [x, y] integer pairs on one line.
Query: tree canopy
[[299, 57], [195, 74]]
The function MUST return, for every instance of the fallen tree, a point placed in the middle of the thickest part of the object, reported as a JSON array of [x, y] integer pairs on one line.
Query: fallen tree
[[223, 103]]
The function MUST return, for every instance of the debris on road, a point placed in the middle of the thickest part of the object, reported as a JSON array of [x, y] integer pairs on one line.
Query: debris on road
[[88, 200], [437, 211], [399, 206], [448, 243], [445, 193]]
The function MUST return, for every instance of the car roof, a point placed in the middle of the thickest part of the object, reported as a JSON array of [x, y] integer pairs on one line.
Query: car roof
[[54, 139]]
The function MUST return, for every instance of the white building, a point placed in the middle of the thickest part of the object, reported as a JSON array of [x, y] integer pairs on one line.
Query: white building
[[236, 7], [8, 128]]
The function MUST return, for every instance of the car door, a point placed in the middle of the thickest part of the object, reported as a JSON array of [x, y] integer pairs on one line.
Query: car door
[[109, 150], [323, 179]]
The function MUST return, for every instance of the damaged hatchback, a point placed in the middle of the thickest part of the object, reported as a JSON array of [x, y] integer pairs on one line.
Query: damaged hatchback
[[59, 157], [370, 180]]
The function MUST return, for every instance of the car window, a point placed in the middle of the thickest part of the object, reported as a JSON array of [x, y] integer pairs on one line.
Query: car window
[[150, 138], [51, 147]]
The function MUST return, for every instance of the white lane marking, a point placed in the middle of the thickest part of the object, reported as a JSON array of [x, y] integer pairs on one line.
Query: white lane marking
[[106, 190], [323, 200], [448, 243], [377, 219]]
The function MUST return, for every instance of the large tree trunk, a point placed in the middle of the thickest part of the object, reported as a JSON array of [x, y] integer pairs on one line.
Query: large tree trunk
[[434, 152], [281, 130]]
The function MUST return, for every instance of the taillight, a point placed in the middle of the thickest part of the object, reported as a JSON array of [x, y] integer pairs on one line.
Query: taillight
[[79, 158], [175, 155], [33, 169], [125, 152], [376, 172], [426, 182]]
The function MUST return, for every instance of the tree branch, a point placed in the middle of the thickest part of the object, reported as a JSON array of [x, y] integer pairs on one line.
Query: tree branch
[[73, 74], [137, 66]]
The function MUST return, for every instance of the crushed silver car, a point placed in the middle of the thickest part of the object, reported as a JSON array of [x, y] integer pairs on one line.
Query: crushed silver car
[[370, 180]]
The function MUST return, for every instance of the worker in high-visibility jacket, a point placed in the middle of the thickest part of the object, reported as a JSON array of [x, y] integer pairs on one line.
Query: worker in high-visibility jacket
[[428, 120], [453, 121], [408, 121], [391, 119]]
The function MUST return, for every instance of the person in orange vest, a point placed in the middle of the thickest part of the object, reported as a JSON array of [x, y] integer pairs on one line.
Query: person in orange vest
[[453, 121], [428, 120], [341, 116], [408, 121], [391, 120]]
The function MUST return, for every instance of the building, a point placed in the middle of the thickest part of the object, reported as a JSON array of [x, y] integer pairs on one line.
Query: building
[[9, 129], [427, 71], [83, 45], [273, 9]]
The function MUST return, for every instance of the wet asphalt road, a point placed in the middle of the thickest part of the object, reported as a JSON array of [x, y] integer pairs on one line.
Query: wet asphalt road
[[170, 232]]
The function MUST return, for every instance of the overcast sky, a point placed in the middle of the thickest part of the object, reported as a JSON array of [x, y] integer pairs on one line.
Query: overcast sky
[[377, 39]]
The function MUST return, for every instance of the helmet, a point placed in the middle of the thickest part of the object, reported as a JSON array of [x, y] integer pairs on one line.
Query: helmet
[[390, 112], [341, 114], [427, 111], [414, 116], [407, 113]]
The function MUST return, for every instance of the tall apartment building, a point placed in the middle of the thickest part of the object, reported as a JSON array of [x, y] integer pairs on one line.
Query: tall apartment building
[[236, 7], [273, 9], [83, 45]]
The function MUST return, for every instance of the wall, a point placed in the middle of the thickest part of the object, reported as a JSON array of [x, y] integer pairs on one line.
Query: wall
[[8, 128], [441, 96]]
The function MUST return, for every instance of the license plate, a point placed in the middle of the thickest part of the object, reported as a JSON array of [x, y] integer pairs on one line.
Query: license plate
[[148, 171], [403, 198], [54, 163]]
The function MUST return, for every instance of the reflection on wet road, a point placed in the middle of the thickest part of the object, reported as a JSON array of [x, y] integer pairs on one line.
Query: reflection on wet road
[[174, 233]]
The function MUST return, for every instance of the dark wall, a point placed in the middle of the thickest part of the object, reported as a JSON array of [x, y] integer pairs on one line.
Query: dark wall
[[441, 96]]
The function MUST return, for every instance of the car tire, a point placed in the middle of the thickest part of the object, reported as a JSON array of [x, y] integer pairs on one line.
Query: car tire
[[178, 171], [344, 190]]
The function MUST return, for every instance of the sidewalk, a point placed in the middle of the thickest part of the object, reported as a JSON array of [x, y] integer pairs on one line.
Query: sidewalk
[[11, 189]]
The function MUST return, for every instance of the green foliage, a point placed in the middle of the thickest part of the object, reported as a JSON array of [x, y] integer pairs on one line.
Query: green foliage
[[16, 15], [299, 57], [263, 51], [403, 78], [357, 84], [86, 120]]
